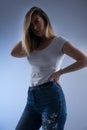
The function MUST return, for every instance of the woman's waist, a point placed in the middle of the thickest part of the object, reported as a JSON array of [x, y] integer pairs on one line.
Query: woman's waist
[[41, 85], [40, 77], [45, 91]]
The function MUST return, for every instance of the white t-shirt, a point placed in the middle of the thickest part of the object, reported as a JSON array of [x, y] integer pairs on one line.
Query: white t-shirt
[[46, 61]]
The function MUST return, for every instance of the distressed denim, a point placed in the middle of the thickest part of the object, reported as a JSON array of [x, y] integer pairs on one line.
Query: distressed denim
[[45, 107]]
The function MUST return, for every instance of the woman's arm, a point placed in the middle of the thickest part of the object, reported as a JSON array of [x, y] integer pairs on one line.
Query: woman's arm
[[79, 56], [18, 51]]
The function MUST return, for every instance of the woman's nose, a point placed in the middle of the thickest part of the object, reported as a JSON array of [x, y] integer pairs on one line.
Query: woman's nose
[[35, 27]]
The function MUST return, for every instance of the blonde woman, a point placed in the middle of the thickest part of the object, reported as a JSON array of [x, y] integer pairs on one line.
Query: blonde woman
[[46, 105]]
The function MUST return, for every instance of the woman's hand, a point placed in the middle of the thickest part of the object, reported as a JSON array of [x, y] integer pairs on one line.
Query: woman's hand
[[55, 76]]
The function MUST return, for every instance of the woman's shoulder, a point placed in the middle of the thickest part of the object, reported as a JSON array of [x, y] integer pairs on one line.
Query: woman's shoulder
[[60, 40]]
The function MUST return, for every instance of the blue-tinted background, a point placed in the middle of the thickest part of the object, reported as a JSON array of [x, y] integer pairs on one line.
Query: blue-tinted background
[[69, 19]]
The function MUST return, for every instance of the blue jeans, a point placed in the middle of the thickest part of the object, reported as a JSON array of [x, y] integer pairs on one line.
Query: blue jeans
[[45, 107]]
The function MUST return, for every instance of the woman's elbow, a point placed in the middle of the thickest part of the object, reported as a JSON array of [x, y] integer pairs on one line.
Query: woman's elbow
[[84, 61], [12, 53]]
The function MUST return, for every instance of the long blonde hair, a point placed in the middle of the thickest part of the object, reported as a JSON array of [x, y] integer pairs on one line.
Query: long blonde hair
[[29, 41]]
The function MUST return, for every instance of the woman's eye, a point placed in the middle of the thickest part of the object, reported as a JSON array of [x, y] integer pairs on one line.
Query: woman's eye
[[37, 21]]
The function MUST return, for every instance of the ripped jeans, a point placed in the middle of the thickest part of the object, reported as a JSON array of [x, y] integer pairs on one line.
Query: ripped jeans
[[45, 107]]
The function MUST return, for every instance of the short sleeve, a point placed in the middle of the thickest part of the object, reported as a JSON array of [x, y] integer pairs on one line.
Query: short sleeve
[[59, 44]]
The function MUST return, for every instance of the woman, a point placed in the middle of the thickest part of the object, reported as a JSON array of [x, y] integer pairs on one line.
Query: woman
[[44, 50]]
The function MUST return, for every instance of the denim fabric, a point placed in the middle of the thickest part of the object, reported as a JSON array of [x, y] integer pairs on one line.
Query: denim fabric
[[45, 107]]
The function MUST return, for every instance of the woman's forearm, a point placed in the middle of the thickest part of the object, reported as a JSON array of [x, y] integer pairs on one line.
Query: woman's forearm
[[75, 66]]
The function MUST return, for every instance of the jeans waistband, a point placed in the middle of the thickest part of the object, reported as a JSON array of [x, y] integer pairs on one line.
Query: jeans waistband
[[42, 85]]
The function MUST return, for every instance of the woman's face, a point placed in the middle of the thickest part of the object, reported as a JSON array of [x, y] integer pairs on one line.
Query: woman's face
[[38, 25]]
